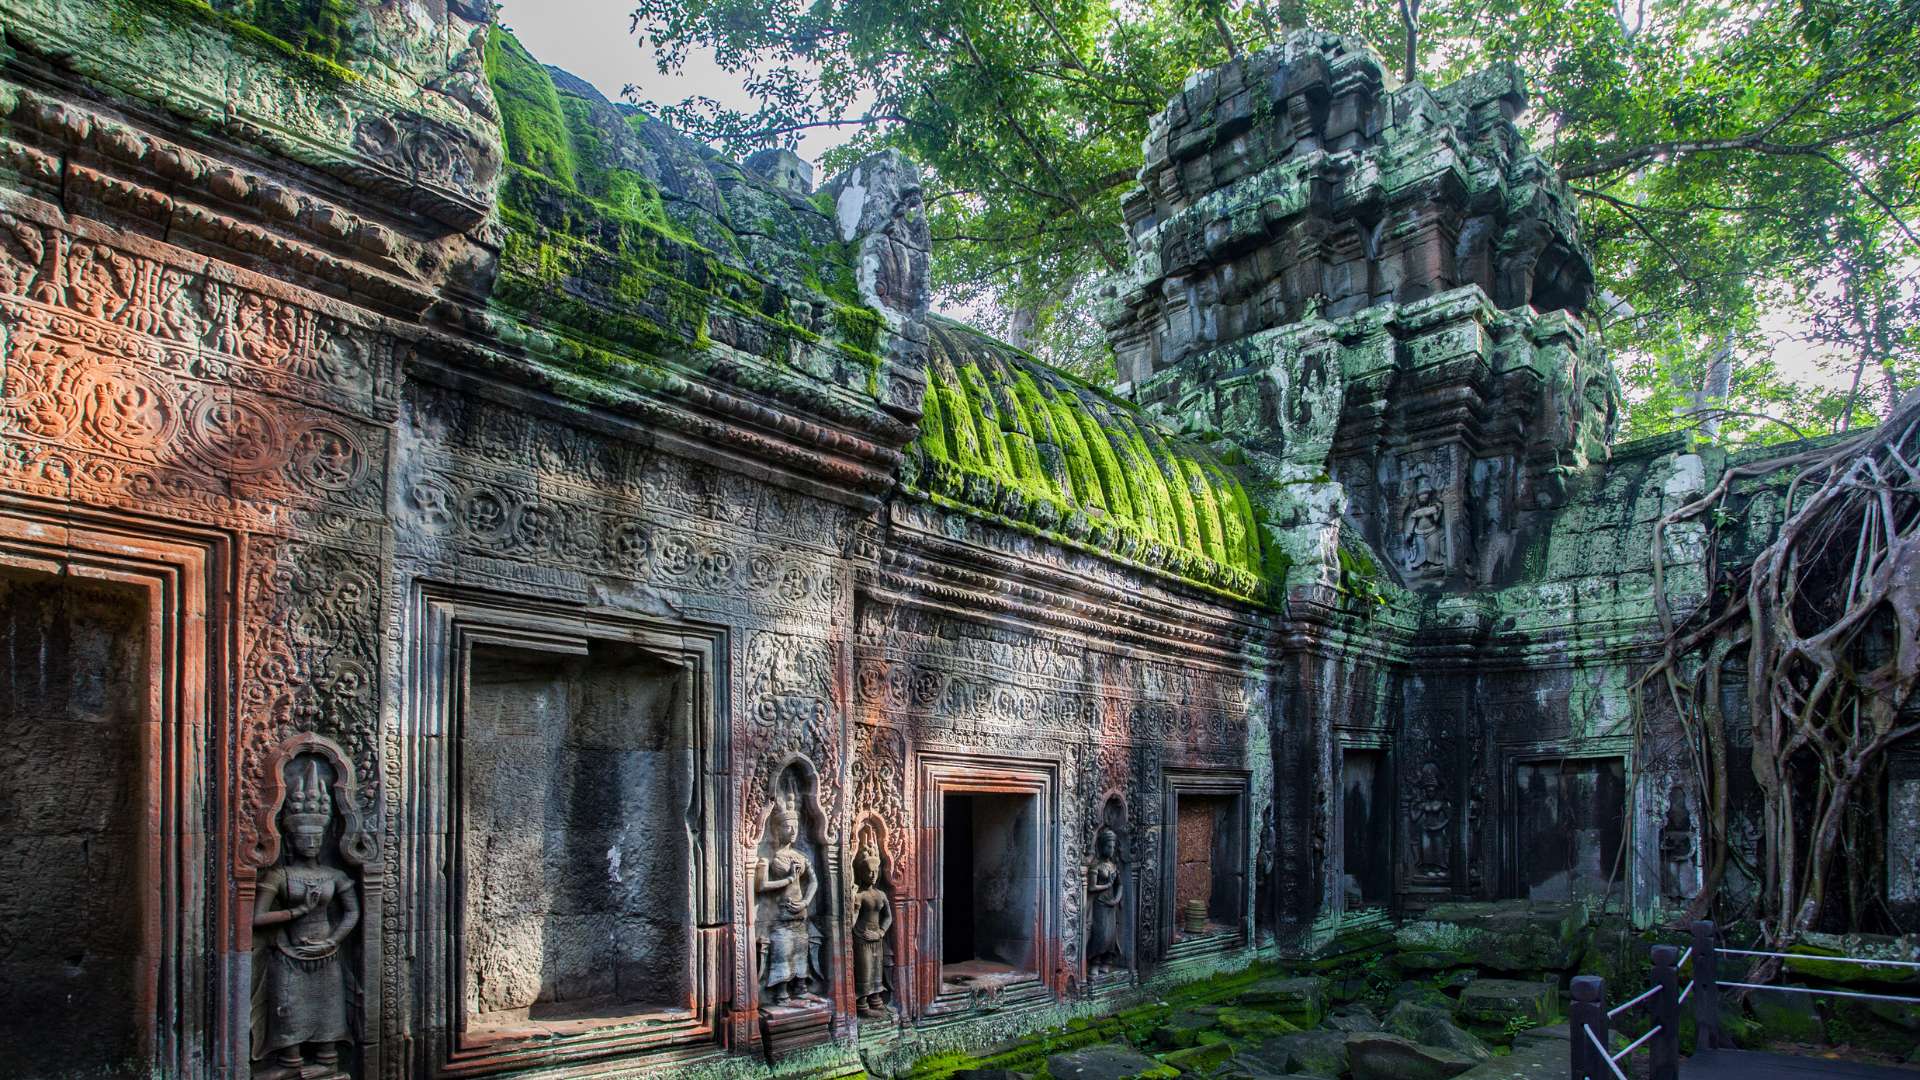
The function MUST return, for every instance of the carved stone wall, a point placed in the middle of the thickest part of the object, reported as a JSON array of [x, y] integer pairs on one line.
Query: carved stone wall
[[613, 547]]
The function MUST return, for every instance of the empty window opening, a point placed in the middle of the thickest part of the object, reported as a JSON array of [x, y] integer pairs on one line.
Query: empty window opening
[[990, 895], [1209, 876], [74, 684], [577, 773]]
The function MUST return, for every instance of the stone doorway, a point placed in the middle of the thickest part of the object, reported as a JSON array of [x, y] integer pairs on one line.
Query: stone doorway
[[110, 637], [578, 856], [1569, 827], [74, 694], [583, 754], [990, 894], [1366, 831], [991, 870], [1206, 861]]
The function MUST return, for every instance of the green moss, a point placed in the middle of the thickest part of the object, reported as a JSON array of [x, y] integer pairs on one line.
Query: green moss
[[130, 18], [319, 27], [531, 117], [1079, 460], [1113, 483], [1360, 577], [1206, 511], [858, 326]]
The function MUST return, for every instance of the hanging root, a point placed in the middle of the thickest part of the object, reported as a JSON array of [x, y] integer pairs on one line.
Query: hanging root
[[1825, 627]]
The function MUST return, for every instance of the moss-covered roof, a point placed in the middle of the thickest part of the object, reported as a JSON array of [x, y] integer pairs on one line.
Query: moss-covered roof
[[1006, 434], [634, 245]]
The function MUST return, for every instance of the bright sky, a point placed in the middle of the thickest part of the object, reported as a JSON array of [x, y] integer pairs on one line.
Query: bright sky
[[593, 39]]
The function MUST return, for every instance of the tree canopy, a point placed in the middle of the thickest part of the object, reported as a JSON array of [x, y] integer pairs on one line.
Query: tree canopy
[[1742, 167]]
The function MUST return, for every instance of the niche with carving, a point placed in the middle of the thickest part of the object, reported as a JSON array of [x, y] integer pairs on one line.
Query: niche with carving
[[306, 912], [789, 887], [1108, 910]]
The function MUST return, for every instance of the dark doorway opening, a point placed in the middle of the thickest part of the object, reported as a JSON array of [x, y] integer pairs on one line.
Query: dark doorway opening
[[1569, 823], [990, 884], [75, 686], [1365, 830]]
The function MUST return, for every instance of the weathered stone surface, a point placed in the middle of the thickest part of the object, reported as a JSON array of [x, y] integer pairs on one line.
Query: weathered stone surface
[[1538, 1054], [1198, 1060], [1301, 999], [1508, 936], [1498, 1003], [1110, 1061], [1380, 1056], [1322, 1053], [1431, 1026], [1353, 1017]]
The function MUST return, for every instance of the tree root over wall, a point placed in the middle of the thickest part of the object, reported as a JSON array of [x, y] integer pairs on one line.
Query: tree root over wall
[[1826, 621]]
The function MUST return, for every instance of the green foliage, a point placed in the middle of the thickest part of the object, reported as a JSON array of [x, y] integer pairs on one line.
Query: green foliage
[[1742, 168]]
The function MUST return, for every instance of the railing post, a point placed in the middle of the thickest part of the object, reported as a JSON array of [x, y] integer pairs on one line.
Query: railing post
[[1663, 1050], [1706, 988], [1588, 1010]]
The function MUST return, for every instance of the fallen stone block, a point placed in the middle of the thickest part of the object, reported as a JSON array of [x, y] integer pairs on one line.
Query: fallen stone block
[[1302, 999], [1500, 1004], [1506, 935], [1108, 1061], [1432, 1026], [1380, 1056]]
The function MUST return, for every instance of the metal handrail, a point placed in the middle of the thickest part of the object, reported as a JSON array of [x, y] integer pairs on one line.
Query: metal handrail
[[1625, 1005], [1819, 990], [1635, 1044], [1662, 1001], [1608, 1058], [1821, 959]]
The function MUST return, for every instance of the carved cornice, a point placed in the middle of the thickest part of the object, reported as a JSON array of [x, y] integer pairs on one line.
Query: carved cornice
[[830, 462], [423, 152], [1000, 570], [106, 164]]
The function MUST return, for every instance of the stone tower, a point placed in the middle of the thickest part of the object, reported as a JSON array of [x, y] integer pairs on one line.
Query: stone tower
[[1373, 290]]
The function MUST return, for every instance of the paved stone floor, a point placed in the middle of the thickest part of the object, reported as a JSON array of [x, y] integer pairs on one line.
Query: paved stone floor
[[1751, 1065]]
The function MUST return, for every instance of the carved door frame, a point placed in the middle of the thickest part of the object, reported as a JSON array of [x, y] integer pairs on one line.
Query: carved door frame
[[1236, 784], [444, 624], [1606, 748], [939, 773], [196, 931]]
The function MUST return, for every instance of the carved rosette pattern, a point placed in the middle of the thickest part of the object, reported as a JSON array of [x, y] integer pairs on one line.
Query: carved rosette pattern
[[134, 383], [518, 497]]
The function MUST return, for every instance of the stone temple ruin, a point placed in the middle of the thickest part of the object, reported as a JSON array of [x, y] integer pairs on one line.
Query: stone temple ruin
[[488, 584]]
